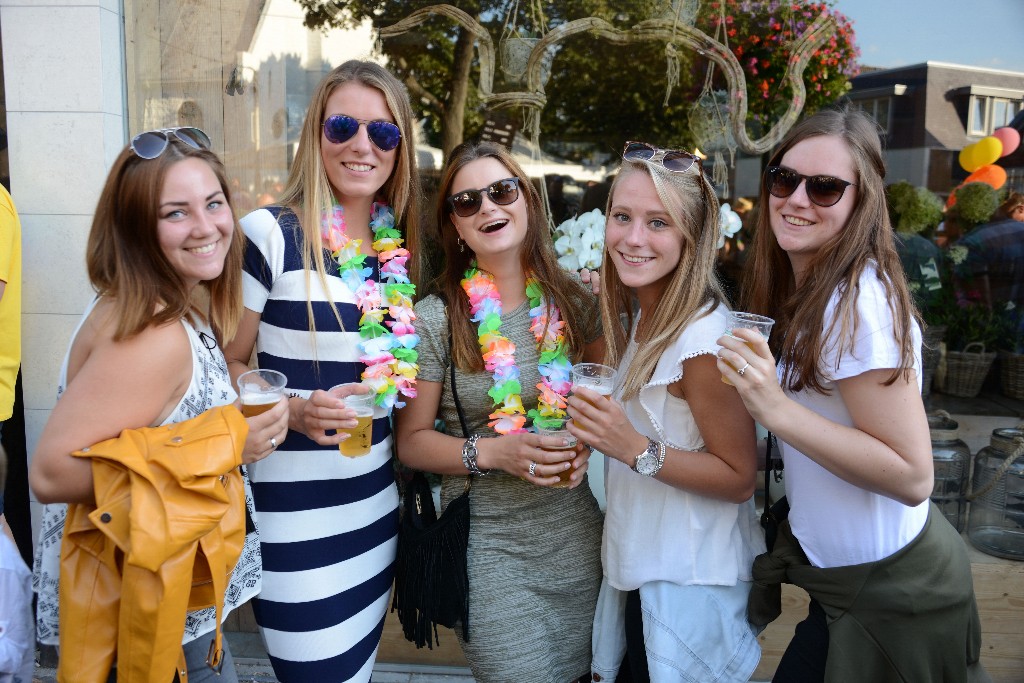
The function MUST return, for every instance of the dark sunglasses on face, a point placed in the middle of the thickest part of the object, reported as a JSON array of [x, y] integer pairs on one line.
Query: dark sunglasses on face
[[675, 160], [153, 143], [823, 190], [468, 202], [383, 134]]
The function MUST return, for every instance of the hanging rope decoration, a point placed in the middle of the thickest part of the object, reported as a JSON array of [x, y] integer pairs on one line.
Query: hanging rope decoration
[[708, 119], [683, 12]]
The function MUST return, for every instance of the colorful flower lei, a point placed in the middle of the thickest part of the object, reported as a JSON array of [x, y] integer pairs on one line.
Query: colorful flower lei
[[389, 355], [499, 354]]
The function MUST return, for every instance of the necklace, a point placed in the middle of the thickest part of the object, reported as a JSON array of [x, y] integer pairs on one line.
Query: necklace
[[499, 353], [389, 354]]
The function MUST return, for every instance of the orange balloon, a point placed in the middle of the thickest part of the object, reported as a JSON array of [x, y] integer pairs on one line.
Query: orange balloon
[[951, 200], [989, 174]]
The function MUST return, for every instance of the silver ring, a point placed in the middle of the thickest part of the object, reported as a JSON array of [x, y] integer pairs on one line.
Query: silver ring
[[533, 469], [743, 369], [273, 443]]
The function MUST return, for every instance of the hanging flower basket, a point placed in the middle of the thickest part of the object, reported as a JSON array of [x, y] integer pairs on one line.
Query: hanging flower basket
[[966, 370], [515, 55]]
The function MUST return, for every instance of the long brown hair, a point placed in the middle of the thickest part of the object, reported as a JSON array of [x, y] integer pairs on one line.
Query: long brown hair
[[127, 265], [769, 286], [537, 255], [692, 288], [309, 193]]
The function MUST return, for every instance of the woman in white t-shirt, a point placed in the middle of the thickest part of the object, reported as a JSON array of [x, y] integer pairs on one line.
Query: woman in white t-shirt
[[845, 401], [680, 531]]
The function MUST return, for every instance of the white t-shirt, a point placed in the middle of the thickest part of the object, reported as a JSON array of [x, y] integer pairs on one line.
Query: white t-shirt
[[839, 524], [656, 532]]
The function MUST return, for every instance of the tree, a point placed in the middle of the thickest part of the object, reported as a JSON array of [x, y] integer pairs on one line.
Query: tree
[[599, 92]]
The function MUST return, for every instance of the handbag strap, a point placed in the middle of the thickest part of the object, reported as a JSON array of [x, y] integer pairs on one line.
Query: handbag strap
[[451, 368]]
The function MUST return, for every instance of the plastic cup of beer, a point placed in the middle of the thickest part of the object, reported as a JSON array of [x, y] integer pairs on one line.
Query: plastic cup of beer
[[556, 427], [594, 376], [361, 438], [260, 390], [751, 321]]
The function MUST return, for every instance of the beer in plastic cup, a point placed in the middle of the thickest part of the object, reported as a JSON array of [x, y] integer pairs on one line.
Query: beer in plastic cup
[[260, 390], [556, 427], [738, 319], [594, 376], [361, 438]]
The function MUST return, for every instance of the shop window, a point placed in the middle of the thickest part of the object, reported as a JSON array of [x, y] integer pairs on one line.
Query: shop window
[[243, 72]]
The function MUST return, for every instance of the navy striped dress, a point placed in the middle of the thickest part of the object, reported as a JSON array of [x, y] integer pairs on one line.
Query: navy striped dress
[[328, 524]]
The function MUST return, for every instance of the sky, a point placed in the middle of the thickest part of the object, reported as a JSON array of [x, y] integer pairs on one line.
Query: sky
[[982, 33]]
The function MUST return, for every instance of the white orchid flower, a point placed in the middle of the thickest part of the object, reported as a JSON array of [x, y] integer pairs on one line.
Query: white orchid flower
[[729, 222]]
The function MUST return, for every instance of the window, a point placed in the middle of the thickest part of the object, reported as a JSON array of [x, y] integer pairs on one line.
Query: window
[[877, 108], [988, 113]]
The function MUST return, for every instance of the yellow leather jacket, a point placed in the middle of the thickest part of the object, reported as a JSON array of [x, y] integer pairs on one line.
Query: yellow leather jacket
[[162, 539]]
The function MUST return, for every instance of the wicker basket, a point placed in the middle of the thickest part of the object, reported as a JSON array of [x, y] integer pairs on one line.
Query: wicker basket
[[966, 370], [930, 355], [1011, 373]]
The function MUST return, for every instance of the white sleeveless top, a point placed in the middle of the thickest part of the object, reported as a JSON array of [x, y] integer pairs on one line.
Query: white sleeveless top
[[210, 387]]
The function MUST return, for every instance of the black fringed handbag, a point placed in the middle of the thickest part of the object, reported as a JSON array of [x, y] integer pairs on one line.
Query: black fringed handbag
[[431, 578]]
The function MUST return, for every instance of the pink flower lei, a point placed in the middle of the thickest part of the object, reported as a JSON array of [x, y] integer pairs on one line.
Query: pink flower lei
[[389, 354], [499, 354]]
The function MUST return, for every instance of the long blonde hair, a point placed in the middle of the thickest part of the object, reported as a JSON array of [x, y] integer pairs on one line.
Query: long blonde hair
[[309, 193], [769, 286], [693, 289]]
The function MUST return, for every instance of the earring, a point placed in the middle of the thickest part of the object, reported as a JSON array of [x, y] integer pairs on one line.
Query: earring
[[462, 247]]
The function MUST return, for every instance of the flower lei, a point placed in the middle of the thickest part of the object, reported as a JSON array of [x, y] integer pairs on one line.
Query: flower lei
[[499, 354], [389, 355]]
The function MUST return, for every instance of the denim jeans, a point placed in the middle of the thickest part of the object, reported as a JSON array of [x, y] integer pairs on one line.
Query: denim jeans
[[195, 659]]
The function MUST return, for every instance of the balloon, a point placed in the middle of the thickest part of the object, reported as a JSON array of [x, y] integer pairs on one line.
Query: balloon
[[987, 150], [990, 174], [1009, 137], [967, 159], [951, 200]]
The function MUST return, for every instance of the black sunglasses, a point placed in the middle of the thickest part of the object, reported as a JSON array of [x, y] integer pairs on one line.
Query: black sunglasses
[[153, 143], [675, 160], [468, 202], [823, 190], [383, 134]]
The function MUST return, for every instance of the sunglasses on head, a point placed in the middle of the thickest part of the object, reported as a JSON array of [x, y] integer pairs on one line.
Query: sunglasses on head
[[675, 160], [151, 144], [468, 202], [384, 135], [823, 190]]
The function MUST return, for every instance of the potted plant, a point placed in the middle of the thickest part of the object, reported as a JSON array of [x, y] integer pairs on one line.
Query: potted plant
[[973, 332]]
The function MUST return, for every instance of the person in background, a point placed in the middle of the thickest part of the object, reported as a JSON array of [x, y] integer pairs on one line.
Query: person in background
[[10, 313], [17, 628], [533, 560], [889, 577], [146, 352], [326, 269], [993, 270], [680, 528]]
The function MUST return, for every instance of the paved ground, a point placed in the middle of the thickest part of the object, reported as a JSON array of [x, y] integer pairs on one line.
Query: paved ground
[[259, 671]]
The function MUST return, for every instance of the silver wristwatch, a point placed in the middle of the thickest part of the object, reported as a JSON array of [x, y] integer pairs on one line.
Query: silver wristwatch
[[469, 456], [650, 461]]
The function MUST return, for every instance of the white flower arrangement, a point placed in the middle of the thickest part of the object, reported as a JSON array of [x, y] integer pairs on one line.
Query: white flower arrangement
[[579, 241], [729, 223]]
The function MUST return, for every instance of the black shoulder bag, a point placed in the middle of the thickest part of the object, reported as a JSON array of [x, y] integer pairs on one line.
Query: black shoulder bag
[[431, 578], [774, 513]]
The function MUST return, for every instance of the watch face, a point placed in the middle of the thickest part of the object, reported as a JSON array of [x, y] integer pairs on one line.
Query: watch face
[[647, 464]]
